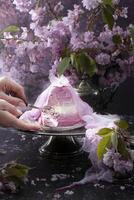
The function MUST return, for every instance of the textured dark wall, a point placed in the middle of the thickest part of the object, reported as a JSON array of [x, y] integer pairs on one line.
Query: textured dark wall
[[130, 5], [123, 101]]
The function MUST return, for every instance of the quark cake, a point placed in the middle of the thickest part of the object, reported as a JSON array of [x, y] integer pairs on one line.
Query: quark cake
[[68, 107]]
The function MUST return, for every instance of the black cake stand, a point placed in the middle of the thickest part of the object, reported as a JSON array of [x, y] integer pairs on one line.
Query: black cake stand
[[62, 141]]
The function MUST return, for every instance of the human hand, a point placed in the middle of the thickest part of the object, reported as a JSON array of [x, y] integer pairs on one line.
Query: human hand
[[12, 92], [8, 118], [12, 96]]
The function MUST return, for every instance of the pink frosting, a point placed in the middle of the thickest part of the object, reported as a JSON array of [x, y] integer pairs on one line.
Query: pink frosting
[[61, 96]]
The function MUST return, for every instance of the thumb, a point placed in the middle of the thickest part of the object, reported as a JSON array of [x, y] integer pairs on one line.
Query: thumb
[[9, 120], [27, 126]]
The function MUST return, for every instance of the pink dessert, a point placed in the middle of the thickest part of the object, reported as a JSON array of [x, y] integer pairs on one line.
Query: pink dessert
[[68, 108], [64, 105]]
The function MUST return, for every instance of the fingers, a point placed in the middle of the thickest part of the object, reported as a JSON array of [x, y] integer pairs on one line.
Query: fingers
[[18, 90], [27, 126], [5, 106], [10, 86], [8, 120], [12, 100]]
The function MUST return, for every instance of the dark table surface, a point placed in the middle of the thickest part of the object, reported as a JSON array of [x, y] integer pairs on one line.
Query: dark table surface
[[42, 182]]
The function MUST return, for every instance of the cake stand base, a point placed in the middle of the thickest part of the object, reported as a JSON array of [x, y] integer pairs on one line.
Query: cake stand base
[[61, 147]]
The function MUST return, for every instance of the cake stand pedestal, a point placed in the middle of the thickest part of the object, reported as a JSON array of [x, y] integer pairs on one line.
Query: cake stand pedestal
[[62, 144]]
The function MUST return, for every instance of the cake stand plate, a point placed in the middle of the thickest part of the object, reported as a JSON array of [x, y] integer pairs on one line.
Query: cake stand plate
[[62, 141]]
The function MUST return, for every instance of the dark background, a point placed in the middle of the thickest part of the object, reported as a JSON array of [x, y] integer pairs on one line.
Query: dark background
[[123, 101]]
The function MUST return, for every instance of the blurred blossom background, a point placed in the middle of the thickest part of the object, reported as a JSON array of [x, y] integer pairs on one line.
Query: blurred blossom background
[[29, 62], [35, 34]]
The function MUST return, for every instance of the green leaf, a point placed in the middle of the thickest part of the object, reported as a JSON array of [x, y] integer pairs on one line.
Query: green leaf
[[131, 29], [17, 170], [73, 57], [103, 145], [65, 53], [104, 131], [18, 181], [123, 150], [122, 124], [114, 140], [84, 63], [107, 15], [91, 70], [63, 65], [117, 39], [108, 2], [10, 29], [78, 62]]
